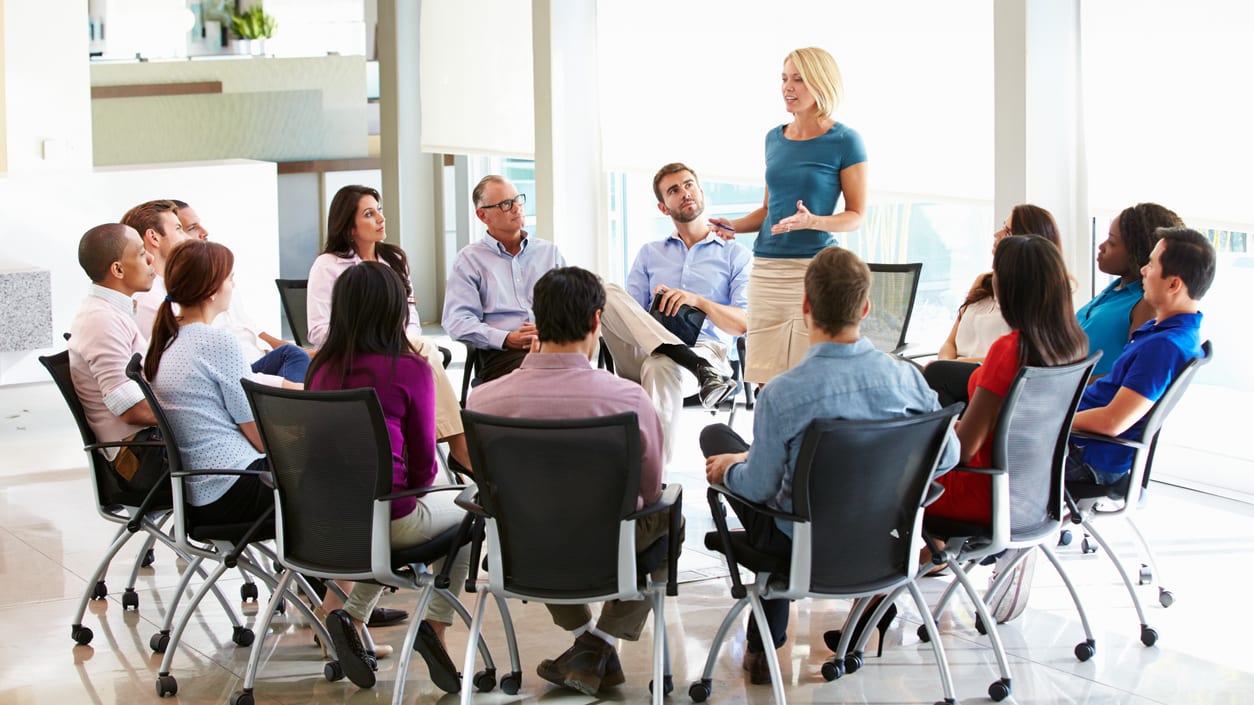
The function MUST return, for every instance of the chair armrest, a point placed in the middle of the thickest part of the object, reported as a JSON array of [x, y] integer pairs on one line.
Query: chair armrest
[[670, 494], [761, 508], [934, 491], [468, 500], [124, 444], [241, 472], [978, 471], [1113, 440], [418, 491]]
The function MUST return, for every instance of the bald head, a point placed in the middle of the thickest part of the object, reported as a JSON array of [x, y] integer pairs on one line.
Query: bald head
[[101, 246]]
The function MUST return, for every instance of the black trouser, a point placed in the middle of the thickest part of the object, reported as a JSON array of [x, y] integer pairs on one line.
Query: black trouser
[[497, 363], [247, 500], [762, 532], [948, 378]]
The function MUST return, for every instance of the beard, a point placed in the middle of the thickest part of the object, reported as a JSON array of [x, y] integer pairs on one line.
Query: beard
[[680, 217]]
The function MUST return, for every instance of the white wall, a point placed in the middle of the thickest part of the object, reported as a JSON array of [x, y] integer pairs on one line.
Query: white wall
[[42, 217]]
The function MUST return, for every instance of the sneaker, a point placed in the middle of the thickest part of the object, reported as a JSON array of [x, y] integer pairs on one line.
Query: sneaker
[[1011, 597], [715, 387]]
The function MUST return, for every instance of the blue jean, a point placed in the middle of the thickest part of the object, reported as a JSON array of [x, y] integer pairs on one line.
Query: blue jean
[[287, 361]]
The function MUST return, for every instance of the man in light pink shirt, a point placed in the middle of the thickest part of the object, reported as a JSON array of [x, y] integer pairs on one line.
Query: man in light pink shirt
[[558, 381], [103, 338]]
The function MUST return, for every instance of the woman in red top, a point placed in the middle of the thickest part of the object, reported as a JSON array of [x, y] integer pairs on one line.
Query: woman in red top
[[1034, 290]]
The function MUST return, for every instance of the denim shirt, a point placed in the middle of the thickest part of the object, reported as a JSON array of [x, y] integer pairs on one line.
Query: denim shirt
[[833, 380]]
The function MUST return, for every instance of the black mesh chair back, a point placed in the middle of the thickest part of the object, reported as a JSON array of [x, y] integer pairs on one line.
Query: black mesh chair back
[[331, 458], [295, 308], [111, 489], [860, 485], [1030, 443], [557, 544], [893, 288]]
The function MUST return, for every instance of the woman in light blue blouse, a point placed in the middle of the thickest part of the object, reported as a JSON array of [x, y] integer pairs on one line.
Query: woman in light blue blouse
[[810, 162]]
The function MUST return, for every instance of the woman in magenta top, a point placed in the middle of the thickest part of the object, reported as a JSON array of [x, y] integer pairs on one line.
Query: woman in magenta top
[[1034, 291], [366, 346]]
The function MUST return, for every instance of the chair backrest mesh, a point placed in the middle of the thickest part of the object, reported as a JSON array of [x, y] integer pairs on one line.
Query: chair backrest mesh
[[331, 457], [109, 491], [893, 289], [1030, 442], [557, 491], [861, 484], [295, 307]]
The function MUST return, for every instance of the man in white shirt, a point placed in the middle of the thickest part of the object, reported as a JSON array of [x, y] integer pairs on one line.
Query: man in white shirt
[[157, 223]]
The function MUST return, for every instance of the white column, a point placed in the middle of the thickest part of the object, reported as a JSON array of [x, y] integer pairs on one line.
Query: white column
[[409, 176], [1038, 137], [570, 181]]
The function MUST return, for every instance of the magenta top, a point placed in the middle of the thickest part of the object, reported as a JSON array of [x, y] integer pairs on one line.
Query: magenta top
[[407, 395]]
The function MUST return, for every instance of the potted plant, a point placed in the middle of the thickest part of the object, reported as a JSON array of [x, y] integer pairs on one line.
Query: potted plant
[[253, 26]]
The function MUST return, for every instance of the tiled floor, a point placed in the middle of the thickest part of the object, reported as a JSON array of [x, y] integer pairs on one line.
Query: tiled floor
[[50, 540]]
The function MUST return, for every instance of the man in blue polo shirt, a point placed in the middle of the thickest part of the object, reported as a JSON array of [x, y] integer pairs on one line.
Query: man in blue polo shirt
[[1180, 271], [690, 266]]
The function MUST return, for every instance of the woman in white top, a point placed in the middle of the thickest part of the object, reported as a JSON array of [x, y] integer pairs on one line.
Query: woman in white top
[[356, 232], [979, 321]]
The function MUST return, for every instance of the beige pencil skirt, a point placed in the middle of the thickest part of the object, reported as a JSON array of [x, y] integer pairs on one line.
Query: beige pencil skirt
[[778, 336]]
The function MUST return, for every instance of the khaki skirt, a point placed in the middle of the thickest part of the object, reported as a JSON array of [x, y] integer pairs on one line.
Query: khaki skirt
[[778, 336]]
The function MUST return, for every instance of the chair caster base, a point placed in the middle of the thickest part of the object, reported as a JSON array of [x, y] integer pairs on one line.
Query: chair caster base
[[1149, 635], [485, 680], [999, 690], [80, 634], [668, 685], [511, 682], [166, 686], [130, 599], [1085, 650], [159, 642]]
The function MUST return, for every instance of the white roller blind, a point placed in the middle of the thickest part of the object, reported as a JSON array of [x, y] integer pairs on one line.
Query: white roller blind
[[476, 77], [1168, 105], [698, 82]]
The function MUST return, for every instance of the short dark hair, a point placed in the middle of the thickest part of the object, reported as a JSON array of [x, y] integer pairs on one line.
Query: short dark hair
[[672, 168], [565, 300], [100, 247], [837, 285], [147, 216], [476, 195], [1189, 255]]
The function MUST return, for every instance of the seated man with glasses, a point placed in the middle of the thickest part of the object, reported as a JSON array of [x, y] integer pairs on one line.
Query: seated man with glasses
[[487, 300]]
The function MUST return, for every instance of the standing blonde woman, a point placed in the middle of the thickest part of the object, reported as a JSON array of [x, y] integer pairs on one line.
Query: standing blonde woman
[[810, 162]]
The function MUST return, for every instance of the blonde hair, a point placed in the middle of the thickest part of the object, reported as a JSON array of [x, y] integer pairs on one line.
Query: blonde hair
[[821, 74]]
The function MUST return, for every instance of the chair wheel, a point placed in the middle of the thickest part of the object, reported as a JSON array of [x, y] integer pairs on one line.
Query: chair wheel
[[700, 691], [1064, 537], [1085, 650], [149, 559], [511, 682], [999, 690], [485, 680], [101, 591], [248, 592], [924, 635], [1165, 598], [853, 662], [80, 634], [979, 626], [242, 636], [668, 684], [1087, 546], [1146, 577], [167, 687], [832, 670], [1149, 636], [332, 671], [130, 599], [242, 698], [159, 642], [281, 608]]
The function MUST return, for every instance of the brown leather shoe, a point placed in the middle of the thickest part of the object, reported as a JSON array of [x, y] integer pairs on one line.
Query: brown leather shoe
[[759, 671], [584, 667]]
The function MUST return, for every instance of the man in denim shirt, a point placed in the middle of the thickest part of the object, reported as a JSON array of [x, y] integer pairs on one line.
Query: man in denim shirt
[[841, 376]]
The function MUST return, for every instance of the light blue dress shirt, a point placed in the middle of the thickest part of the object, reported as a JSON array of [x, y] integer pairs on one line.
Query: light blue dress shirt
[[715, 268], [833, 380], [489, 291]]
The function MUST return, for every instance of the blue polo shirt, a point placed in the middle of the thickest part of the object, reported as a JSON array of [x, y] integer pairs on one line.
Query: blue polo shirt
[[1148, 365]]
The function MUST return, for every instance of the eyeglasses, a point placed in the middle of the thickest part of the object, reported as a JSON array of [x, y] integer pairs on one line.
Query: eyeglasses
[[508, 204]]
